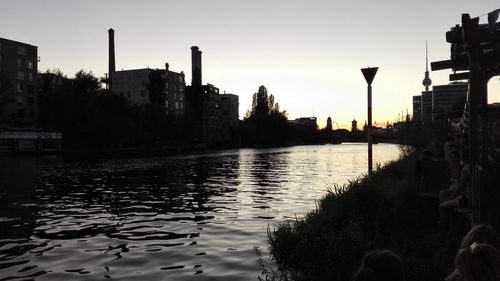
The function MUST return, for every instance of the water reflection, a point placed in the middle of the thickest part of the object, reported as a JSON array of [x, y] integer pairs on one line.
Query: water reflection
[[181, 218]]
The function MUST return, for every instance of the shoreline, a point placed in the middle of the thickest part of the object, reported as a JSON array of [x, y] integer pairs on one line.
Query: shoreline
[[383, 211], [133, 152]]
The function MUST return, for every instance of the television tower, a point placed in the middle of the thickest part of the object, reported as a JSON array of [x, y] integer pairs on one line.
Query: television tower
[[427, 81]]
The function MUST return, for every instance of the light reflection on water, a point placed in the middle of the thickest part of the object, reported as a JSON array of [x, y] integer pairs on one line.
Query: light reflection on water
[[195, 217]]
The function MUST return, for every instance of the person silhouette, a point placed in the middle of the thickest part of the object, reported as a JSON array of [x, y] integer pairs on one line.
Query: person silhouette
[[380, 265], [479, 262]]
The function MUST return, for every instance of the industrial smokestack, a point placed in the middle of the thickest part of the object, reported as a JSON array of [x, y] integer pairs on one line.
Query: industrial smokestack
[[111, 64], [196, 66]]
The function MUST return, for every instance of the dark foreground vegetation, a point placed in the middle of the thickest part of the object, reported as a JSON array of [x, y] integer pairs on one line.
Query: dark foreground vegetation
[[384, 211]]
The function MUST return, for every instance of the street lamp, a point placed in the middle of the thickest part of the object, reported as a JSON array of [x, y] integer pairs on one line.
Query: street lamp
[[369, 74]]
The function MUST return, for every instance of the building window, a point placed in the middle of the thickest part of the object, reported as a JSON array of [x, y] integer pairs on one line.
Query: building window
[[20, 75], [31, 89], [32, 114], [30, 101], [19, 87], [19, 100], [29, 64], [19, 62], [21, 50], [30, 77]]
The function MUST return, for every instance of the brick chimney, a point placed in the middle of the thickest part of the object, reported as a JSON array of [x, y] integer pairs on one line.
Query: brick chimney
[[111, 63], [196, 66]]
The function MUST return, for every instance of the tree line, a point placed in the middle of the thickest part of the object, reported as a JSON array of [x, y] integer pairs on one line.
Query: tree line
[[92, 117]]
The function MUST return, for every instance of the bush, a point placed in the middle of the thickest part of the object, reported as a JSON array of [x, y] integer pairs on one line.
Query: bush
[[383, 211]]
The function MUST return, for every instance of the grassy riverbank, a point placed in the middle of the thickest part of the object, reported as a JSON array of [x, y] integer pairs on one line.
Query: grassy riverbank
[[384, 211]]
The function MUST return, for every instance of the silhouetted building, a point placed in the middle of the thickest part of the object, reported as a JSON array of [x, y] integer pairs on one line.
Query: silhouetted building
[[134, 86], [303, 129], [448, 98], [417, 108], [426, 109], [202, 106], [229, 107], [354, 126], [211, 121], [329, 126], [18, 70], [176, 86], [305, 122]]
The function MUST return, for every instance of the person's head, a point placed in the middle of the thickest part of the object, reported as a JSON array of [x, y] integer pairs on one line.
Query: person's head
[[481, 233], [479, 262], [380, 265]]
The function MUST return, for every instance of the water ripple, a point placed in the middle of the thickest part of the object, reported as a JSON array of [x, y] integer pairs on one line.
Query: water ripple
[[193, 217]]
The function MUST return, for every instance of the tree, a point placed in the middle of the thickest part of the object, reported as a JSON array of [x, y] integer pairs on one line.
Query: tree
[[86, 83], [263, 105], [264, 124]]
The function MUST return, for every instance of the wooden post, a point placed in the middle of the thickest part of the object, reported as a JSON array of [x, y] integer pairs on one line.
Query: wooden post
[[478, 124]]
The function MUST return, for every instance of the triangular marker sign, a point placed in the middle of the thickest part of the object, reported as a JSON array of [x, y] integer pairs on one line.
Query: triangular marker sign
[[369, 74]]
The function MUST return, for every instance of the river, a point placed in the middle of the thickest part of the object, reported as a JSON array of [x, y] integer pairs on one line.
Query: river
[[191, 217]]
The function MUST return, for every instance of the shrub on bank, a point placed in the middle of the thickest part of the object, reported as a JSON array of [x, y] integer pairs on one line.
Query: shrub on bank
[[380, 212]]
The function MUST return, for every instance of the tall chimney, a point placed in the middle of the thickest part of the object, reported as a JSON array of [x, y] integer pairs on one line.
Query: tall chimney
[[111, 64], [196, 66]]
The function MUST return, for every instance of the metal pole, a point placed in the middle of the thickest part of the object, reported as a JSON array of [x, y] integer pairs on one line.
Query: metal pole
[[369, 130], [369, 74]]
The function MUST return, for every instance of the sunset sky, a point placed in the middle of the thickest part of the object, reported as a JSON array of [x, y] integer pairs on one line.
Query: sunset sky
[[307, 53]]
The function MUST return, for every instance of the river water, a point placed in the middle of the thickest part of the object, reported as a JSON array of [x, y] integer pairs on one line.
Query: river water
[[194, 217]]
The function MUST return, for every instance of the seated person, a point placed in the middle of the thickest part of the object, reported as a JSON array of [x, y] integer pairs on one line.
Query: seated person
[[479, 262], [380, 265], [457, 194], [455, 173], [478, 234]]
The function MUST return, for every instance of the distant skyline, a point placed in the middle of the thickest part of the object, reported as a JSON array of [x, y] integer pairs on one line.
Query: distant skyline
[[308, 54]]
